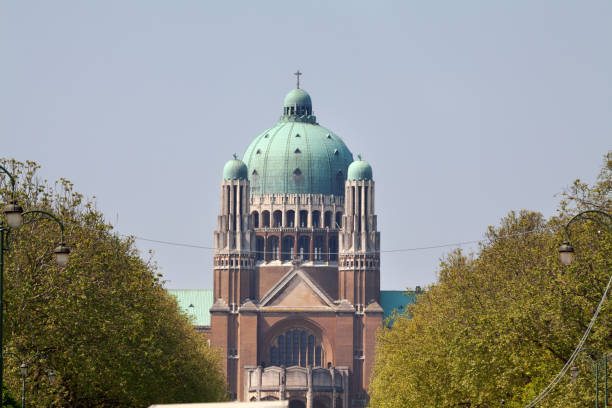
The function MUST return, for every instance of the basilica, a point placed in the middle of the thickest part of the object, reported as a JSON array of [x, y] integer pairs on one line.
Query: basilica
[[296, 301], [297, 266]]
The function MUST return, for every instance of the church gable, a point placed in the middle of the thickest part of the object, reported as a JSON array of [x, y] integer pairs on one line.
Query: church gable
[[296, 290]]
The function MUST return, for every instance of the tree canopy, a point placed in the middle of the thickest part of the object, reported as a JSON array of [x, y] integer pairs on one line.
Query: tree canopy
[[499, 324], [113, 334]]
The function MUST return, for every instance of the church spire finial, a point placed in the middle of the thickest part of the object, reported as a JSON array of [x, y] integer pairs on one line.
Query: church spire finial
[[297, 74]]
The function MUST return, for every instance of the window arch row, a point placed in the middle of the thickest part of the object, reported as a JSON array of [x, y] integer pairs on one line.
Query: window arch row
[[296, 347], [291, 219], [273, 248]]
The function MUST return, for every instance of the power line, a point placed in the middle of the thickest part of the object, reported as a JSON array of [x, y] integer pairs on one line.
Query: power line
[[399, 250]]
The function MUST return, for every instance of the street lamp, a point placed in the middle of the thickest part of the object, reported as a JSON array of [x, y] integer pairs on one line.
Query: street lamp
[[61, 254], [14, 216], [598, 359], [52, 376], [566, 250], [566, 253], [599, 362], [24, 367]]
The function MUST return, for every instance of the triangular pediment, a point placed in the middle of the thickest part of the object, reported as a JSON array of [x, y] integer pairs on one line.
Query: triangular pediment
[[296, 290]]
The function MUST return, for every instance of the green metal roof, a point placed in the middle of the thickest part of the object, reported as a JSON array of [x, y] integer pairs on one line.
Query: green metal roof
[[297, 155], [395, 300], [297, 158], [360, 170], [196, 303]]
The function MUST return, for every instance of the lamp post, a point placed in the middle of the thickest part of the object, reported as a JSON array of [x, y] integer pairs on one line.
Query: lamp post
[[566, 250], [598, 359], [599, 362], [24, 368], [15, 216]]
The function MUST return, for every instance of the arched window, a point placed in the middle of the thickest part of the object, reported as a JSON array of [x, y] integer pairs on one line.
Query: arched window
[[265, 218], [328, 219], [338, 219], [316, 219], [304, 248], [255, 218], [303, 218], [260, 248], [290, 219], [272, 252], [288, 244], [277, 219], [333, 248], [296, 347]]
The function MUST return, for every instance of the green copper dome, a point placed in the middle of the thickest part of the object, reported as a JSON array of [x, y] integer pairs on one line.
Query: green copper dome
[[298, 107], [297, 155], [298, 97], [360, 170], [235, 170]]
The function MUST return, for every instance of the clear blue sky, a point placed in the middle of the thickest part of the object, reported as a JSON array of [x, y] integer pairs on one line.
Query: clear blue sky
[[466, 110]]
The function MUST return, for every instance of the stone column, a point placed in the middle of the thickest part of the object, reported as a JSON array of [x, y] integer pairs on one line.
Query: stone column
[[345, 389], [311, 246], [283, 383], [309, 392], [332, 371], [258, 371], [266, 258]]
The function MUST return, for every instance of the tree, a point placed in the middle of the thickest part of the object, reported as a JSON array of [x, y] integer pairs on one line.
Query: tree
[[7, 399], [114, 335], [500, 324]]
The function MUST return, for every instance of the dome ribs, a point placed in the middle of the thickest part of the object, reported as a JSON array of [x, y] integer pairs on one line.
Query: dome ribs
[[297, 141], [309, 156]]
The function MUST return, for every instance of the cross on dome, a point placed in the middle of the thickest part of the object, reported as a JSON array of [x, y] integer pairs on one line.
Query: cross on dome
[[297, 74]]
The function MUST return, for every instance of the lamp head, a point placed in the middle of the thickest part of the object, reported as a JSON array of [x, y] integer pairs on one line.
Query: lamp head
[[566, 253], [62, 253], [52, 377], [24, 369], [574, 374], [14, 215]]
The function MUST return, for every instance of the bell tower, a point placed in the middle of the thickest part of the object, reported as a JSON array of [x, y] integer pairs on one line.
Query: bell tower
[[359, 260], [234, 262], [359, 269]]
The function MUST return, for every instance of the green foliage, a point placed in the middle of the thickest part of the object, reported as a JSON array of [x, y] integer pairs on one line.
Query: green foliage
[[7, 399], [500, 324], [115, 337]]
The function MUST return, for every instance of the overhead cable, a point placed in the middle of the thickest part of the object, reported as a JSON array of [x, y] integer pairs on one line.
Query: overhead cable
[[410, 249]]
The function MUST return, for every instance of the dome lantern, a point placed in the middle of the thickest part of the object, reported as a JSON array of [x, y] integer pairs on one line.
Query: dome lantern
[[298, 105]]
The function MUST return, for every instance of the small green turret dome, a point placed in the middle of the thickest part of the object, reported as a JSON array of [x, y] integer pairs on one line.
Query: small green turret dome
[[359, 170], [235, 169]]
